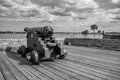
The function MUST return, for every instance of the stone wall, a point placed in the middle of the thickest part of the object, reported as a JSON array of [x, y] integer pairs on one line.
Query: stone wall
[[113, 44]]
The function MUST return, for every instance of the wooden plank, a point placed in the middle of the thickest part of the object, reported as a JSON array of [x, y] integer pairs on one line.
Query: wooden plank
[[91, 70], [102, 51], [94, 62], [46, 72], [37, 73], [1, 76], [68, 72], [6, 72], [66, 69], [13, 69], [108, 53], [96, 55], [89, 60], [58, 72], [28, 74], [93, 50], [110, 60], [95, 66], [74, 70], [29, 69]]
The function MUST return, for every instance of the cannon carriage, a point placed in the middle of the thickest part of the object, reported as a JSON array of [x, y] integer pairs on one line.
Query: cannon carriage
[[41, 45]]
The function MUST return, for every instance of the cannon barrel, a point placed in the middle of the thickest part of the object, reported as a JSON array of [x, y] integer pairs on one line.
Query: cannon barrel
[[44, 32]]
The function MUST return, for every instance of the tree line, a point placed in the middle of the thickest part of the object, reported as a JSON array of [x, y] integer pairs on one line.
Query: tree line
[[95, 30], [11, 32]]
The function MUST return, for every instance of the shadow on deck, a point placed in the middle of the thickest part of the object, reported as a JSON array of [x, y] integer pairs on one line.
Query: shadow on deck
[[21, 60]]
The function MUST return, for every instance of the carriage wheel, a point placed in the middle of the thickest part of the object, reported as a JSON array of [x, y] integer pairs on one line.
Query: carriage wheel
[[23, 51], [35, 57], [19, 51], [8, 48], [62, 56]]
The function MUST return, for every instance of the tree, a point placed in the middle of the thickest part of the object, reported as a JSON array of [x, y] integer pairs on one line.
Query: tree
[[103, 32], [85, 33], [94, 27], [99, 31]]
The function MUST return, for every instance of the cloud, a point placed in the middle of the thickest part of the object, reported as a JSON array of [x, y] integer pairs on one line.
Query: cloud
[[5, 3], [47, 9], [116, 1], [22, 9], [116, 17], [3, 15], [58, 11], [108, 4], [53, 10], [12, 5], [30, 13], [115, 13], [66, 7], [81, 3]]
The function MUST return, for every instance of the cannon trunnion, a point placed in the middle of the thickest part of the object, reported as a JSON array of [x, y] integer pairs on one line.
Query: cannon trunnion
[[41, 45]]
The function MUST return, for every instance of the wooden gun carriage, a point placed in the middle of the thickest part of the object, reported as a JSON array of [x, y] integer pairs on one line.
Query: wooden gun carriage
[[41, 45]]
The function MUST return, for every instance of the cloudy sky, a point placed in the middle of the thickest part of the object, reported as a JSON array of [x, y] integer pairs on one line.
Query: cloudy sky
[[63, 15]]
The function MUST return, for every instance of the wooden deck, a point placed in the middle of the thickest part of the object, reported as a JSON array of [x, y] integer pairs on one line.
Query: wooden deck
[[80, 64]]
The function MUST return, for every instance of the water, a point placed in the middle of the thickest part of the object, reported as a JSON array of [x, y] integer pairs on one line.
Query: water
[[58, 36], [12, 36]]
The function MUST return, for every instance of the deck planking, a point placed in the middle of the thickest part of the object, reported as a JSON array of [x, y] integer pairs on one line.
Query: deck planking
[[80, 64]]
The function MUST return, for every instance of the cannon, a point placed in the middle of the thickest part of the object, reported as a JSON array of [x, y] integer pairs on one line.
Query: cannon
[[41, 45], [43, 32]]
